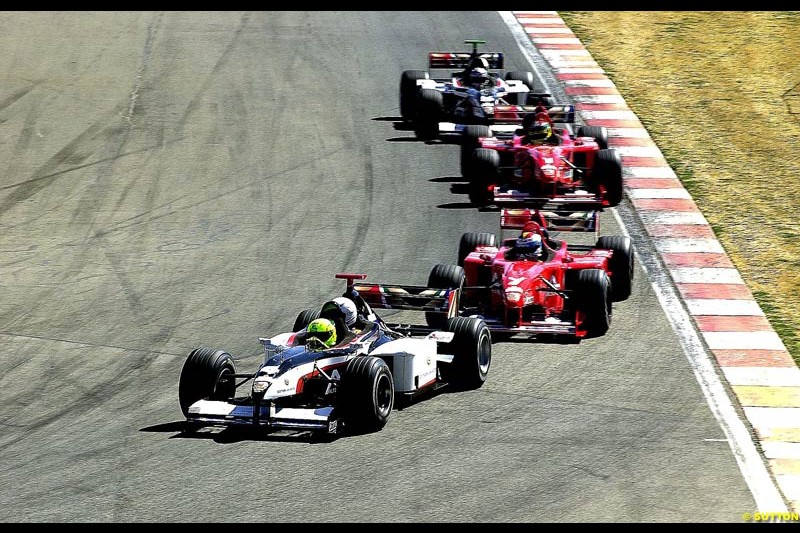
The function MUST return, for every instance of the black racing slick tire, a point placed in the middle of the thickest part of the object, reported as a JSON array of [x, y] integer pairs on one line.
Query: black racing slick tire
[[207, 373], [607, 172], [408, 92], [471, 348], [592, 293], [305, 318], [428, 113], [444, 277], [365, 394], [470, 141], [620, 264], [470, 241], [598, 133], [484, 170]]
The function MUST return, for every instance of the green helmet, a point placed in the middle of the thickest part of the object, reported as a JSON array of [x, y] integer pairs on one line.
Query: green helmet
[[324, 330]]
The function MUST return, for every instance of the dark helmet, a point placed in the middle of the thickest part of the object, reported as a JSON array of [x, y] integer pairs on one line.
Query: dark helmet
[[539, 131], [478, 76], [529, 245]]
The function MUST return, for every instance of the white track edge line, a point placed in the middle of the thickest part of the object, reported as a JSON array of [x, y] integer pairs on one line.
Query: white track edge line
[[767, 496]]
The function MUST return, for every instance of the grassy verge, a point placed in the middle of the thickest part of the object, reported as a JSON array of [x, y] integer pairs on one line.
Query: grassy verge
[[720, 94]]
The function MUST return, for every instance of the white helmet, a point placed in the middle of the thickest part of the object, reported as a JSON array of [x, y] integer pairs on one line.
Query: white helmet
[[343, 305]]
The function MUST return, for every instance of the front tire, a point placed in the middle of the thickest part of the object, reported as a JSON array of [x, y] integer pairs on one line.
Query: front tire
[[366, 394], [428, 114], [305, 318], [470, 141], [408, 92], [592, 293], [484, 170], [444, 277], [206, 374]]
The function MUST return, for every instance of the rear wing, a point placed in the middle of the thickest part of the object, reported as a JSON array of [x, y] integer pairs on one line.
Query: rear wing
[[556, 220], [516, 113], [461, 60], [409, 297], [404, 298]]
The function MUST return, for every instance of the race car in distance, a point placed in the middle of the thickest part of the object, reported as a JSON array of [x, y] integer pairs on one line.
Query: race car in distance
[[551, 289], [303, 384], [473, 95], [505, 169]]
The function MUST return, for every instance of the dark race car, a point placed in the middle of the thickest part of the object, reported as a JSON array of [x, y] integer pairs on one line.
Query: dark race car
[[537, 285], [304, 384], [475, 94], [561, 168]]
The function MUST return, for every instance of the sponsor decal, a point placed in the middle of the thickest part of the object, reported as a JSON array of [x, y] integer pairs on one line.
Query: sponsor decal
[[331, 388]]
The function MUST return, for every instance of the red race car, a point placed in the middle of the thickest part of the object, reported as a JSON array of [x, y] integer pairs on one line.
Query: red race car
[[534, 284], [540, 161]]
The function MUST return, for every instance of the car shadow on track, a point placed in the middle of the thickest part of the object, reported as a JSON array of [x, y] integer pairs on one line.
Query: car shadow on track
[[234, 434], [182, 429], [498, 338], [401, 125]]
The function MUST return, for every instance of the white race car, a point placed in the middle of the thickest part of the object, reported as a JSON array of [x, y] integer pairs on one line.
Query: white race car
[[351, 386], [475, 95]]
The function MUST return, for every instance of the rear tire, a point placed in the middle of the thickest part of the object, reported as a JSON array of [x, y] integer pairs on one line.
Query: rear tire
[[470, 142], [484, 169], [444, 277], [207, 373], [598, 133], [366, 394], [470, 241], [305, 318], [408, 91], [428, 114], [620, 264], [528, 79], [592, 293], [472, 350]]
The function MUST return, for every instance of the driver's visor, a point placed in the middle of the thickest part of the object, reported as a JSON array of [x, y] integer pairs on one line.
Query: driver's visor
[[321, 335]]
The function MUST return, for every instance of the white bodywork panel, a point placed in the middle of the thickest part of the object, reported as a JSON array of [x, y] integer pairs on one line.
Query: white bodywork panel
[[413, 362]]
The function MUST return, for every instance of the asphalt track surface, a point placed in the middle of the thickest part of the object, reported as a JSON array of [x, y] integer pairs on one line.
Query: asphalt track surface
[[171, 180]]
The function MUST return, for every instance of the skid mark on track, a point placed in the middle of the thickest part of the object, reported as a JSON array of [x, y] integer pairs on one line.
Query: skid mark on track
[[137, 219], [364, 221], [18, 95], [221, 61], [88, 398], [81, 167], [72, 154], [35, 107], [152, 29], [132, 296]]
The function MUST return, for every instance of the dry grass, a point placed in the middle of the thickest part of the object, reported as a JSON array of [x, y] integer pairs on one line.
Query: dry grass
[[719, 92]]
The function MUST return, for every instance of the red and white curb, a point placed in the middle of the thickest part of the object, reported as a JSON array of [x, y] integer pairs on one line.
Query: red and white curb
[[752, 357]]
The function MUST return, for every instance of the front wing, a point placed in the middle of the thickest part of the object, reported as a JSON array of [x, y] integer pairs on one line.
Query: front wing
[[212, 412]]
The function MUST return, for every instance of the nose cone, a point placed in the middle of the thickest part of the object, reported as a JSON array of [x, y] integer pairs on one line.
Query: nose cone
[[514, 296]]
